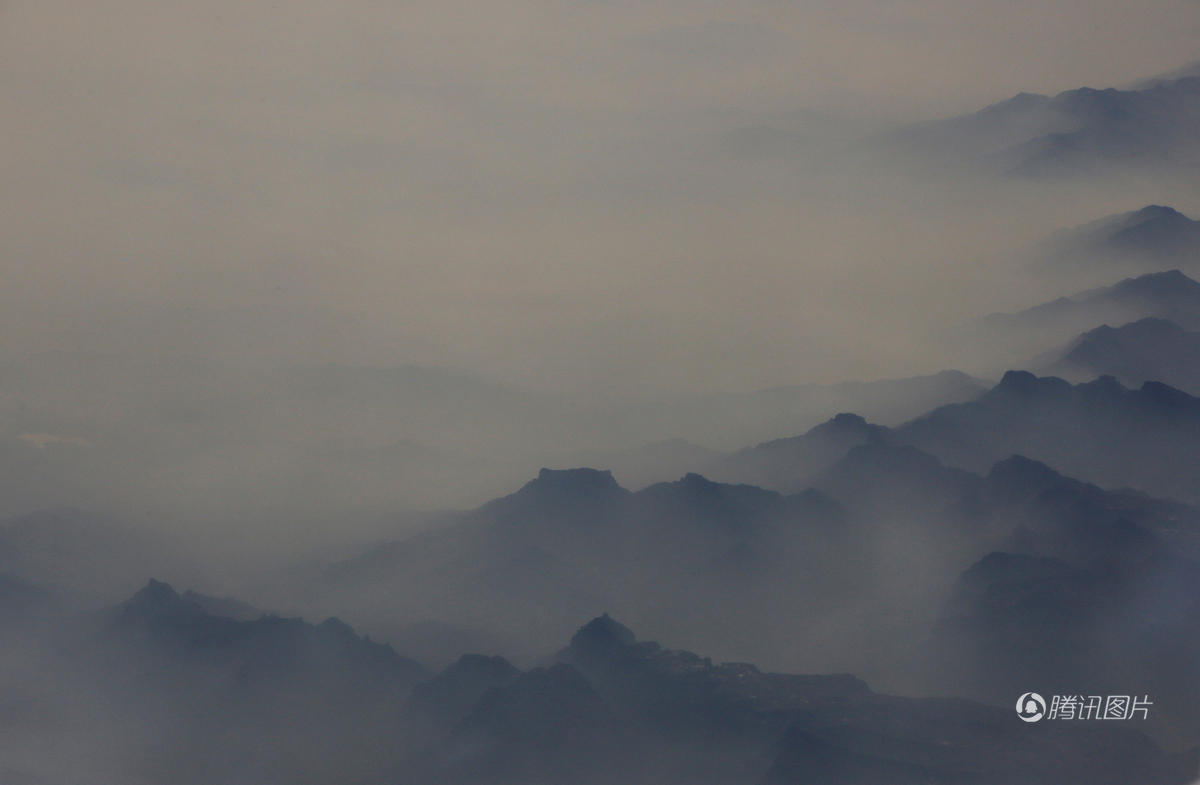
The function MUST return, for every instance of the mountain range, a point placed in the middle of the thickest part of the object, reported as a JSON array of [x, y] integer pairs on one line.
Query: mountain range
[[1076, 132], [1154, 238], [286, 701]]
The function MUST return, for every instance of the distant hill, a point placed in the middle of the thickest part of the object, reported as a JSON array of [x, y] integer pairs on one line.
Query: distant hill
[[612, 708], [1100, 431], [1077, 132], [1145, 350], [791, 464], [115, 431], [1152, 239], [1017, 338]]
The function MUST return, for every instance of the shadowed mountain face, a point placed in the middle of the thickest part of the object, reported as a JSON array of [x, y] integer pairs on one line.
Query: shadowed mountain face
[[791, 464], [1078, 132], [869, 554], [1153, 238], [980, 582], [1099, 431], [285, 701], [1111, 626], [1145, 350], [614, 709], [573, 542], [1020, 337]]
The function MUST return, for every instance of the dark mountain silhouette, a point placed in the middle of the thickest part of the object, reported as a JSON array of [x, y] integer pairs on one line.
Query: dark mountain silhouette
[[450, 695], [284, 700], [572, 542], [1080, 523], [1145, 350], [1027, 334], [328, 655], [872, 478], [789, 465], [1100, 431], [611, 708], [547, 726], [740, 724], [1154, 238], [1079, 131], [862, 559], [1115, 625]]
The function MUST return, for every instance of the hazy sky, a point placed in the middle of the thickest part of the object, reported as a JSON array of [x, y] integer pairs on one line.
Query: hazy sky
[[578, 194]]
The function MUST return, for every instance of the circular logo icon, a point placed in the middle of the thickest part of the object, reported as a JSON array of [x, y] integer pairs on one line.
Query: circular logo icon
[[1031, 707]]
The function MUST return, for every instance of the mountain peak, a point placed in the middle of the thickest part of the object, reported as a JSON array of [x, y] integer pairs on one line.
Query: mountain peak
[[602, 635], [1018, 381], [1160, 212], [574, 481], [697, 481], [1166, 395], [1024, 383], [155, 593], [848, 420], [1164, 282], [156, 599], [556, 490]]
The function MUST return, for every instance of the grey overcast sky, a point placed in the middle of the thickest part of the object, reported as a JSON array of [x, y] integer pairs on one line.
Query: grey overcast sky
[[569, 193]]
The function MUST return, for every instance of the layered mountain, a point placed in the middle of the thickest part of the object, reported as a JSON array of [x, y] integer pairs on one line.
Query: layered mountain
[[611, 708], [867, 553], [790, 464], [1152, 239], [1145, 350], [1021, 336], [282, 699], [1099, 431], [118, 431], [573, 541], [1121, 624], [1076, 132]]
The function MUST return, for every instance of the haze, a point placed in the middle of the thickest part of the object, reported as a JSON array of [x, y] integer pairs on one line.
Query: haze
[[601, 198]]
